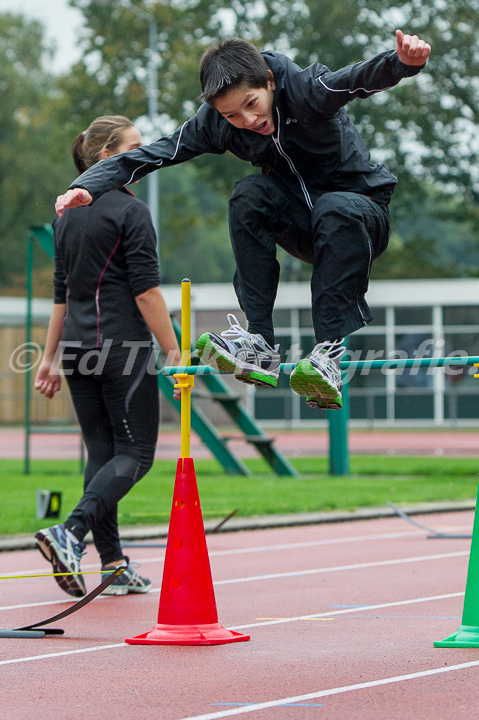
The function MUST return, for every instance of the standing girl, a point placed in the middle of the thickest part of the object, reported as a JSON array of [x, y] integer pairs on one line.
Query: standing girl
[[107, 305]]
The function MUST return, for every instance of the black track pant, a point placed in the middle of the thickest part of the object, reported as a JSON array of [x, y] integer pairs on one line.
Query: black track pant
[[340, 238], [118, 412]]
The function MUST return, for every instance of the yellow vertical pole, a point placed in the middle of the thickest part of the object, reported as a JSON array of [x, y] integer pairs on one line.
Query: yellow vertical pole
[[185, 381], [186, 322]]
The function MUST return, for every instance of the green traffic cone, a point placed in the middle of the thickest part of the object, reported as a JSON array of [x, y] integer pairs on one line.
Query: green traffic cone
[[467, 634]]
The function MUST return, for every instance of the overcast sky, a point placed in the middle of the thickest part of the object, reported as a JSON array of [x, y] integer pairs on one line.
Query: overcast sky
[[62, 24]]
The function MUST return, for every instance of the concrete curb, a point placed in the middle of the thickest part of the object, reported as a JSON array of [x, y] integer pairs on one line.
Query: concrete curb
[[138, 533]]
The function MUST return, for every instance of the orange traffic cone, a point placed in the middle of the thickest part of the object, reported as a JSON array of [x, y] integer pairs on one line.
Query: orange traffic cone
[[187, 613]]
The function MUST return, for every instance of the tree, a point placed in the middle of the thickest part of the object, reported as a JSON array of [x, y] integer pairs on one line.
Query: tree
[[30, 173], [423, 129]]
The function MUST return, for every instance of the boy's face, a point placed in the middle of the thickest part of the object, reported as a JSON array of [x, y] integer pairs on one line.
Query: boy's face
[[249, 108]]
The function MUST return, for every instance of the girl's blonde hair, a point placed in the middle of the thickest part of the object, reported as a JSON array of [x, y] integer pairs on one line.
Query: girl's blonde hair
[[105, 132]]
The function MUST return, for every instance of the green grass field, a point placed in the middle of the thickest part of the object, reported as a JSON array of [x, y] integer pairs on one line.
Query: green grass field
[[373, 481]]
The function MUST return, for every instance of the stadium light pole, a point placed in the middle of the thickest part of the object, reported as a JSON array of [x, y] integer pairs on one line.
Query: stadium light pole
[[152, 95]]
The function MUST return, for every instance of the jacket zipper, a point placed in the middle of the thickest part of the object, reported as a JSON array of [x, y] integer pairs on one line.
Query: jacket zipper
[[291, 165]]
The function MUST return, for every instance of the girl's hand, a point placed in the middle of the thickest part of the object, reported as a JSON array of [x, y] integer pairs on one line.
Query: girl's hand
[[48, 380]]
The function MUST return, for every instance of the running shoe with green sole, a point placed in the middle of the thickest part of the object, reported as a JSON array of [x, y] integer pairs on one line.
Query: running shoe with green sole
[[318, 377], [247, 356]]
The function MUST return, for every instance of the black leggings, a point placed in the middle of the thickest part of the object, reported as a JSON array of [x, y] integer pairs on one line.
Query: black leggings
[[117, 404], [340, 238]]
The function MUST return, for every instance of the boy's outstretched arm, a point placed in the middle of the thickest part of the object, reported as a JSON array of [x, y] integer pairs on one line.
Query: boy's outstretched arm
[[411, 49], [330, 90], [200, 134], [77, 197]]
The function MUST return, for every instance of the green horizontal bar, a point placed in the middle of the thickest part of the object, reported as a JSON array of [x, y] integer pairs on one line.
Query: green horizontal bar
[[409, 363], [391, 364]]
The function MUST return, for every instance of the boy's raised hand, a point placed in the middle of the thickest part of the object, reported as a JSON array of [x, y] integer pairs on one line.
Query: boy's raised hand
[[411, 49], [71, 199]]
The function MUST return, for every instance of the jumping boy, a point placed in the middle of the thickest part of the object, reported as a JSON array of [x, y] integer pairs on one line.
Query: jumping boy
[[318, 196]]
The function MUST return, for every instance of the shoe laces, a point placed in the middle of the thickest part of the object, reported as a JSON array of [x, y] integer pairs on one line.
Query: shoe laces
[[332, 350], [131, 567], [235, 329], [132, 575], [79, 549], [77, 546], [127, 564]]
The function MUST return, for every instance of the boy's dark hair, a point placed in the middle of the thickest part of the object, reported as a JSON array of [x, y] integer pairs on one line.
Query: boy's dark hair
[[228, 65]]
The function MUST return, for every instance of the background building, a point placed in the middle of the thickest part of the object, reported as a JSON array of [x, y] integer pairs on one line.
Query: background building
[[414, 318]]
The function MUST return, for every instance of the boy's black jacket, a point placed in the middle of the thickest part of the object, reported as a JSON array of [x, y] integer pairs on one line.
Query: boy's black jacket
[[315, 147]]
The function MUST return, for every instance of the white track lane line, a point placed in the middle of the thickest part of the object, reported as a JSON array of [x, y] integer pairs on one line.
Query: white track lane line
[[14, 661], [349, 611], [340, 568], [257, 549], [296, 573], [332, 691], [316, 543], [344, 611], [304, 544], [46, 603]]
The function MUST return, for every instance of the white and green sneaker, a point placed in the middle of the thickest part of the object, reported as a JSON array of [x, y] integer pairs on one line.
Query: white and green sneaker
[[246, 355], [318, 376]]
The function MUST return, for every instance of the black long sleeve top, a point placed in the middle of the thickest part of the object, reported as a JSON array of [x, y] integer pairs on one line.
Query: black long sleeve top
[[105, 255]]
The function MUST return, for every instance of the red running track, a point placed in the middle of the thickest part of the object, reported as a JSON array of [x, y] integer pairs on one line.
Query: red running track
[[453, 443], [342, 619]]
